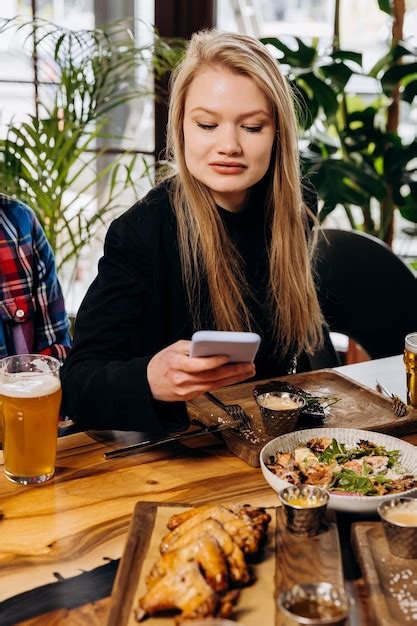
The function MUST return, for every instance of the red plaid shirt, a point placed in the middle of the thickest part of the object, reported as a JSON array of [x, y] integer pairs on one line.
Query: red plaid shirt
[[32, 311]]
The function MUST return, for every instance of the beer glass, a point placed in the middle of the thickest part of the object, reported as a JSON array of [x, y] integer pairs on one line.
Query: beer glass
[[30, 398], [410, 360]]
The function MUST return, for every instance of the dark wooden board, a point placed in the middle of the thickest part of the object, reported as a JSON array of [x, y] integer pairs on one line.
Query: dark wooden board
[[386, 575], [289, 560], [358, 407]]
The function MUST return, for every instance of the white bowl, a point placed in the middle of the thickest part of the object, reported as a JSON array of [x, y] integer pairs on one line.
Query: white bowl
[[349, 436]]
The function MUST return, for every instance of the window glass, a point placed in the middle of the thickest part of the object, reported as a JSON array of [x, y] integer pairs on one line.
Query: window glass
[[73, 14], [17, 102], [17, 99], [277, 17], [15, 54]]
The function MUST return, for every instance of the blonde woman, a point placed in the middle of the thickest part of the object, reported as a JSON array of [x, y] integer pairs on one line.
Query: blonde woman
[[221, 244]]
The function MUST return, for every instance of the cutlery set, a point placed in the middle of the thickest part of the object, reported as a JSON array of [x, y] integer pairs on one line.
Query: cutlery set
[[398, 406], [240, 421]]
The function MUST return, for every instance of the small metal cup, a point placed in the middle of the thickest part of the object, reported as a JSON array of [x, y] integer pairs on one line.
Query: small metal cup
[[304, 521], [279, 421], [323, 593], [402, 540]]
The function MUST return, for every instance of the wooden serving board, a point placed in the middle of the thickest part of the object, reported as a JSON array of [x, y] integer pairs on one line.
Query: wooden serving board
[[358, 407], [285, 560], [388, 578]]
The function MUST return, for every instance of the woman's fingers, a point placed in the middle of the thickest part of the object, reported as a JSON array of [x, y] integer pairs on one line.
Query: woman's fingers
[[183, 346], [193, 390], [200, 363], [224, 372], [173, 375]]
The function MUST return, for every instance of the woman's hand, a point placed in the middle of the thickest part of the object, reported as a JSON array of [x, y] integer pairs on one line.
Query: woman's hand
[[173, 375]]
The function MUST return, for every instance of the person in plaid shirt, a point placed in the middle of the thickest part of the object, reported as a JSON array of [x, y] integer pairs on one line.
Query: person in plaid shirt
[[32, 311]]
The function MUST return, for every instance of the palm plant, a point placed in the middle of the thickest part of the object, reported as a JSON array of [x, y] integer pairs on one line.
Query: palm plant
[[55, 160]]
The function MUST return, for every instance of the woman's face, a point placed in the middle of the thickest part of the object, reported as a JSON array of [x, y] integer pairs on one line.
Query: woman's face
[[228, 134]]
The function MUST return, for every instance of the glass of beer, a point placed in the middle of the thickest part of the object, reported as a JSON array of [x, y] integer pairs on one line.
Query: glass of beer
[[410, 360], [30, 398]]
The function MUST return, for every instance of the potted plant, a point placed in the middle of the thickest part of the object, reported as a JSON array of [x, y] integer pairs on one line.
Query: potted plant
[[352, 149], [56, 160]]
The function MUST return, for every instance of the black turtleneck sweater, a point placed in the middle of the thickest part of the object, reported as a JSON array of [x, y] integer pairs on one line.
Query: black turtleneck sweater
[[137, 306], [247, 231]]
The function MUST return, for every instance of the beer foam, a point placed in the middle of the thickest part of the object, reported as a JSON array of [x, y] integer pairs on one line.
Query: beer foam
[[28, 385], [411, 343]]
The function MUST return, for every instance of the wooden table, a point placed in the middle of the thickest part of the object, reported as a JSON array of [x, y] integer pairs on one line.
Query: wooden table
[[60, 542]]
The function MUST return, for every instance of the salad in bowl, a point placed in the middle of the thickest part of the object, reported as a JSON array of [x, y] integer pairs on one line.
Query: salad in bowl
[[359, 468]]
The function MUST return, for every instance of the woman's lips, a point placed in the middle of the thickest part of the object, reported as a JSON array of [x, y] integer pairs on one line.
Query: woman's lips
[[228, 168]]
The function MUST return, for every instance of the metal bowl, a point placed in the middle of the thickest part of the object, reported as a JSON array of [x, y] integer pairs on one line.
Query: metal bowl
[[402, 540], [304, 520], [322, 592], [280, 421]]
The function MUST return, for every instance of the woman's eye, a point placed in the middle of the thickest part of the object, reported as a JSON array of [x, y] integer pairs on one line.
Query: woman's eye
[[206, 126], [253, 129]]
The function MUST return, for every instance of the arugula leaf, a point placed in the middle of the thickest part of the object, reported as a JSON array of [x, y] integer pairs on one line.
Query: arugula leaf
[[347, 480], [370, 449], [334, 452], [356, 453], [382, 480]]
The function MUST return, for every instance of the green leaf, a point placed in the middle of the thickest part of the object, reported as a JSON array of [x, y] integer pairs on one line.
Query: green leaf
[[347, 55], [396, 74], [334, 452], [339, 73], [401, 50], [301, 56], [327, 208], [385, 5], [322, 92], [410, 91], [347, 480], [408, 209]]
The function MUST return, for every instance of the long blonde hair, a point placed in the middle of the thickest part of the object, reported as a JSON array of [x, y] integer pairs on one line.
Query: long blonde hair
[[205, 247]]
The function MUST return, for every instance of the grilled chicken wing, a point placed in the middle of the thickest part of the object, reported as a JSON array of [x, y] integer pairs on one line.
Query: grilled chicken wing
[[238, 569], [258, 516], [240, 527], [183, 588], [200, 556], [205, 551]]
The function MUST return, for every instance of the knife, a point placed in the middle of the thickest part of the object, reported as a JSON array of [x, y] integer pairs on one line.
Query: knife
[[153, 443]]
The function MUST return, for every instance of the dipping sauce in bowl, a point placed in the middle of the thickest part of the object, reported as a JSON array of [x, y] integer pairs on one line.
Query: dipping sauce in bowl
[[404, 514], [304, 502], [316, 608], [317, 603], [279, 402], [304, 508], [279, 411], [399, 520]]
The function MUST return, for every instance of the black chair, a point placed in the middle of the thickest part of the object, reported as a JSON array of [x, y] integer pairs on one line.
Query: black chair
[[366, 291]]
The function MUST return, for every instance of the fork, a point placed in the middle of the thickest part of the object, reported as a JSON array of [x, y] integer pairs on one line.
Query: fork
[[234, 410], [398, 406]]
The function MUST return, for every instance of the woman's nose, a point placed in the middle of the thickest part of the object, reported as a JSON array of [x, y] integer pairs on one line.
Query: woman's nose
[[228, 142]]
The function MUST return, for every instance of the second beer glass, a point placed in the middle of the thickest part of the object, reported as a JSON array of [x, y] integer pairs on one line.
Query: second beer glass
[[30, 398]]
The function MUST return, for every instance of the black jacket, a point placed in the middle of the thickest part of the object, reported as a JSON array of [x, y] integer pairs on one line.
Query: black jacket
[[135, 307]]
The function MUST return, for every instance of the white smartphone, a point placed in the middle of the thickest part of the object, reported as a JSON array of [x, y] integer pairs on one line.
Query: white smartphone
[[240, 347]]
